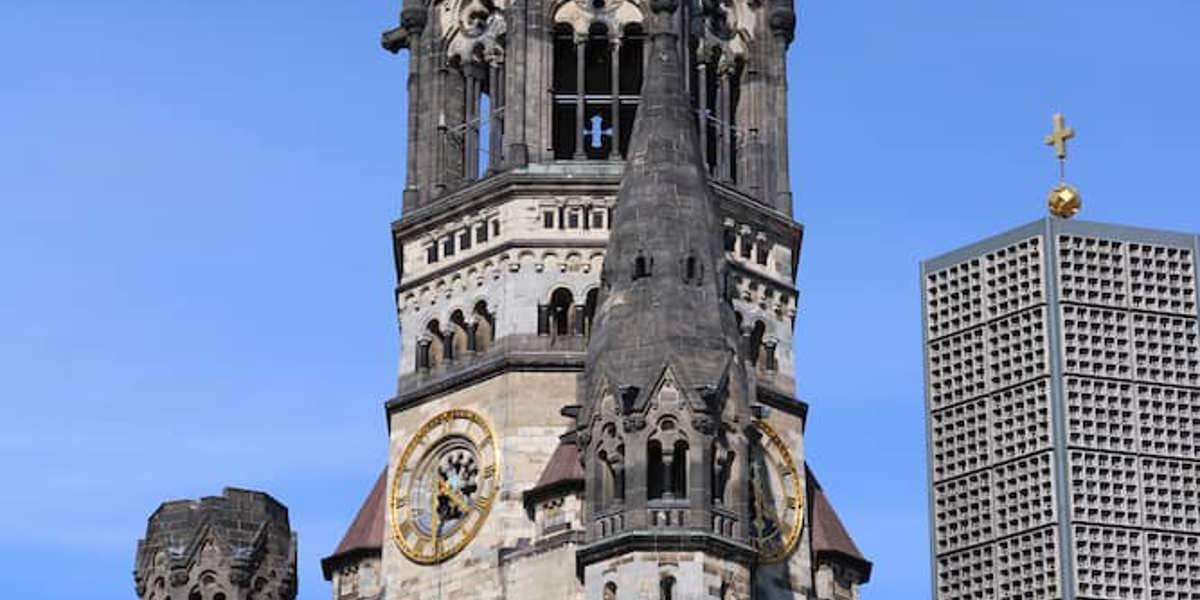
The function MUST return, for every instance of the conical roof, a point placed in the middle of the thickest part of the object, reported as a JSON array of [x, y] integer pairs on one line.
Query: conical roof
[[661, 298]]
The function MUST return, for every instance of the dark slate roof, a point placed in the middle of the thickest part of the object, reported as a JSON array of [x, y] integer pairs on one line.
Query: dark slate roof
[[563, 474], [665, 212], [829, 536], [563, 466], [365, 535]]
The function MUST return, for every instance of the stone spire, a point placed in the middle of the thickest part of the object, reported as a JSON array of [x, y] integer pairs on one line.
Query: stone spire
[[663, 426], [662, 286]]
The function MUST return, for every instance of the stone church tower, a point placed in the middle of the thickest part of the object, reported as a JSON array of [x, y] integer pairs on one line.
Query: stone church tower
[[595, 270], [236, 546]]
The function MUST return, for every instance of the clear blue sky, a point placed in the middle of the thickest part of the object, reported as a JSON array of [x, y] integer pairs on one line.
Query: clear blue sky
[[196, 272]]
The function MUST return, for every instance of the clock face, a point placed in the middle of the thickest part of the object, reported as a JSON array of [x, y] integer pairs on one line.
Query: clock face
[[444, 486], [776, 499]]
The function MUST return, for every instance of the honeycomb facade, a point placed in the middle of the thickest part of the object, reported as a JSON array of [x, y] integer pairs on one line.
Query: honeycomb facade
[[1062, 365]]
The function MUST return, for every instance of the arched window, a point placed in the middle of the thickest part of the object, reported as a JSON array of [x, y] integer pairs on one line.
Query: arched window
[[666, 468], [562, 308], [666, 588], [641, 267], [598, 86], [631, 64], [679, 465], [755, 345], [716, 92], [597, 82], [459, 335], [469, 90], [655, 473], [432, 352], [565, 93], [485, 327], [589, 310]]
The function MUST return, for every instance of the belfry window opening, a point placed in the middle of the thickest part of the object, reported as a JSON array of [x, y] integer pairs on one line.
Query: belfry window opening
[[597, 83], [666, 473], [716, 92], [471, 122]]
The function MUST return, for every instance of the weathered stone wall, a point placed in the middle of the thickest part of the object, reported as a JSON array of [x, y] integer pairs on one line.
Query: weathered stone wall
[[360, 579], [640, 575], [523, 408], [237, 546]]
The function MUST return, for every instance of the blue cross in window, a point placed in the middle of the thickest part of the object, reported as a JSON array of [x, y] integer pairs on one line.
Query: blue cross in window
[[597, 131]]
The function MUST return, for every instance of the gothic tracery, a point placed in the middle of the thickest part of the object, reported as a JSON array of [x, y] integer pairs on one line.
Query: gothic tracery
[[473, 30]]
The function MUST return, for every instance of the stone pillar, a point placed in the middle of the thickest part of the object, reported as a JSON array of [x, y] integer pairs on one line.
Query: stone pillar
[[614, 150], [580, 65]]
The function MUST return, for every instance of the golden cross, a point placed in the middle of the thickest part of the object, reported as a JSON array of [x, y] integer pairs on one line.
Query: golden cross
[[1059, 138]]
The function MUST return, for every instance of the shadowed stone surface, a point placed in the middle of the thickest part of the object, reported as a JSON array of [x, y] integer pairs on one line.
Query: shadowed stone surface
[[236, 546]]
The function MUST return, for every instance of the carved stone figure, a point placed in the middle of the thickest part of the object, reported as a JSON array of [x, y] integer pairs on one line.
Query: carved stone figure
[[473, 30]]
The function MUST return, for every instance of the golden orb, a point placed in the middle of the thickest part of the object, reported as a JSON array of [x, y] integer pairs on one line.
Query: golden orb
[[1065, 201]]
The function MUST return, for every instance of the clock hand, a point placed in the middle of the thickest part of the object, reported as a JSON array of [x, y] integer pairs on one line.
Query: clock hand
[[759, 504], [455, 497], [436, 524]]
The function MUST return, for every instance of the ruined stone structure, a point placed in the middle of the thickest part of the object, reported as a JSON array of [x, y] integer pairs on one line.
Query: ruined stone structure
[[236, 546], [595, 270], [1063, 403]]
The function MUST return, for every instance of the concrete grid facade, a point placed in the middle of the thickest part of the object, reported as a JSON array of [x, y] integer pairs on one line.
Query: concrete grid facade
[[1063, 414]]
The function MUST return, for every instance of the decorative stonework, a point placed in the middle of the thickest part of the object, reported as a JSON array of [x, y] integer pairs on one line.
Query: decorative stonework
[[191, 550], [728, 28], [767, 299], [473, 30], [613, 14], [460, 282]]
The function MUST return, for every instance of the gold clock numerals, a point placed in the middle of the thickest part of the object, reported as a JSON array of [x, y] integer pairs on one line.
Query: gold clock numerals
[[444, 486], [778, 497]]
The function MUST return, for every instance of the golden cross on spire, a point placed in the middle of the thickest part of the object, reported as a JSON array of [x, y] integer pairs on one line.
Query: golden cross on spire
[[1060, 136], [1064, 200]]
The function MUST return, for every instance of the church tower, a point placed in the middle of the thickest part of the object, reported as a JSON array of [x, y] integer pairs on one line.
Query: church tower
[[574, 416]]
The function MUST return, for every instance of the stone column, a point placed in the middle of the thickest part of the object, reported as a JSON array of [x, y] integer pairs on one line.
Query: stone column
[[702, 107], [614, 45], [580, 64], [724, 117], [497, 110]]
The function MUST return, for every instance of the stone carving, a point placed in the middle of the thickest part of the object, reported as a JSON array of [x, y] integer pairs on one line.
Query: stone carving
[[728, 28], [783, 21], [723, 460], [613, 14], [217, 544], [664, 6], [473, 30]]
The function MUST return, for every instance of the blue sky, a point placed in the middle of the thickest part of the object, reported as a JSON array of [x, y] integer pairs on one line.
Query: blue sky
[[197, 273]]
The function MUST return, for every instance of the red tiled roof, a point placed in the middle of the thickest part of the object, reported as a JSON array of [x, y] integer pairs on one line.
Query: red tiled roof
[[829, 535], [366, 531]]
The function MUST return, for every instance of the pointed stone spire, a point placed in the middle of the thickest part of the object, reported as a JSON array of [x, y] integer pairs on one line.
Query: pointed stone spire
[[664, 416], [662, 294]]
